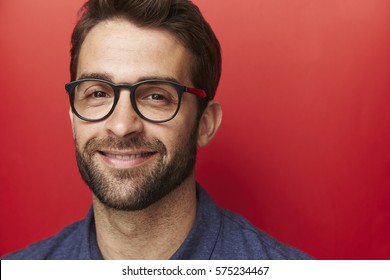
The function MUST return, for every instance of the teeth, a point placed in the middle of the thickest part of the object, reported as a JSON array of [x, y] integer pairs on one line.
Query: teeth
[[127, 157]]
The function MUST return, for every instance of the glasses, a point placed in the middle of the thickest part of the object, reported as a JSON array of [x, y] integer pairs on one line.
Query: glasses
[[153, 100]]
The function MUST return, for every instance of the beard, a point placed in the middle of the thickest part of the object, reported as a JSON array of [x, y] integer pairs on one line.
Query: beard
[[139, 187]]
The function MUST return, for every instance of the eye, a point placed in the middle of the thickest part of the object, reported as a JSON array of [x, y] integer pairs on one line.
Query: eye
[[154, 95], [98, 94], [157, 96]]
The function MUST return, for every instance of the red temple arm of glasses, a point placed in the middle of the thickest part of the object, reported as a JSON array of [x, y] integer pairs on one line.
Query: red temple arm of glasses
[[198, 92]]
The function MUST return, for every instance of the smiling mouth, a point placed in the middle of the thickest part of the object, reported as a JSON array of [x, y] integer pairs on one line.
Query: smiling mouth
[[125, 160], [127, 156]]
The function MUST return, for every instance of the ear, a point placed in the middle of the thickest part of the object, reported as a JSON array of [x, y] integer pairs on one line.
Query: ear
[[209, 123], [71, 121]]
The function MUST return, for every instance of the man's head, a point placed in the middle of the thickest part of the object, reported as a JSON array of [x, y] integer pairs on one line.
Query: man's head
[[130, 162]]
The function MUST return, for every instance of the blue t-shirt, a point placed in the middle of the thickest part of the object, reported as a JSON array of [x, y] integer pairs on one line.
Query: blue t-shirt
[[216, 234]]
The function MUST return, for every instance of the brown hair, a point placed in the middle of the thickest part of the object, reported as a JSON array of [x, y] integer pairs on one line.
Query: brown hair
[[179, 17]]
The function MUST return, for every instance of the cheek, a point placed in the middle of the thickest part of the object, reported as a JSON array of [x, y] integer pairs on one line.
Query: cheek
[[178, 137], [84, 131], [172, 134]]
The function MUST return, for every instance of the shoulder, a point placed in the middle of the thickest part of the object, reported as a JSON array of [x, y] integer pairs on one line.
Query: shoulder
[[64, 245], [238, 239]]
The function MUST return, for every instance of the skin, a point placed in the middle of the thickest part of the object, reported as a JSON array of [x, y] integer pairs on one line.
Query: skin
[[126, 53]]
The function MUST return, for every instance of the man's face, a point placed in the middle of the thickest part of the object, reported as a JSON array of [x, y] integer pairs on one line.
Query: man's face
[[130, 163]]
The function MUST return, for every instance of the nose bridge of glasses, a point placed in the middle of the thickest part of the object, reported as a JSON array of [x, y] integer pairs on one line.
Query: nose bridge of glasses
[[124, 92], [120, 88]]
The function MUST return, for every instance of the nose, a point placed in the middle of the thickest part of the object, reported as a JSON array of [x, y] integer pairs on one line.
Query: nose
[[124, 120]]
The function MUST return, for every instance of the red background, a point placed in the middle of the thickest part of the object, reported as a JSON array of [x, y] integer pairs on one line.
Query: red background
[[303, 151]]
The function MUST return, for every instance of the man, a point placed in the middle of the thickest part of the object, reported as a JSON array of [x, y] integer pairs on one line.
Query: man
[[144, 74]]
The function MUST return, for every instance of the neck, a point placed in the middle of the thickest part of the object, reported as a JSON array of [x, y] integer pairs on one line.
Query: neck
[[152, 233]]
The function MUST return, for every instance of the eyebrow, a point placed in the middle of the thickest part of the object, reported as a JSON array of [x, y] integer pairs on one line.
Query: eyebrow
[[101, 76], [109, 78]]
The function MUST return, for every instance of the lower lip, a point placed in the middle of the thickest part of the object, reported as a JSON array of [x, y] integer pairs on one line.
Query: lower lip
[[125, 163]]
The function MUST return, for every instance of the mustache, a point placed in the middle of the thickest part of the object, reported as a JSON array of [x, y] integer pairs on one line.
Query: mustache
[[133, 143]]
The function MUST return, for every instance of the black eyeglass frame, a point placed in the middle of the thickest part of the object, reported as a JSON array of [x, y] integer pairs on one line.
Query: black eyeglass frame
[[180, 89]]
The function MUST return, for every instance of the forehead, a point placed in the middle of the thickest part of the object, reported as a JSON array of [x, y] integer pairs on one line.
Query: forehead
[[120, 49]]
